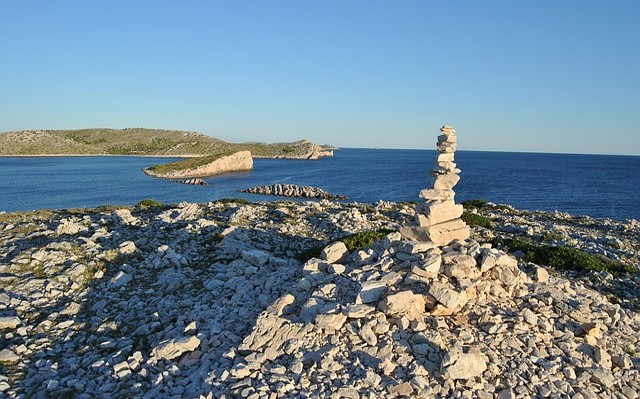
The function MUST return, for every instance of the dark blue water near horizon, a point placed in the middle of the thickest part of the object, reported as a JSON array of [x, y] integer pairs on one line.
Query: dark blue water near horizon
[[594, 185]]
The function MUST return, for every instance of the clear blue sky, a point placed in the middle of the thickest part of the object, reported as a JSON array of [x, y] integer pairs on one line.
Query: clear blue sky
[[552, 76]]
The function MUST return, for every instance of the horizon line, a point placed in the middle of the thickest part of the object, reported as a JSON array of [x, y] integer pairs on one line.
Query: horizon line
[[338, 147], [476, 150]]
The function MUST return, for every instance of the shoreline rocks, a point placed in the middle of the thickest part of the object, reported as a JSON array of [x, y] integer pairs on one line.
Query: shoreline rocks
[[193, 182], [293, 191]]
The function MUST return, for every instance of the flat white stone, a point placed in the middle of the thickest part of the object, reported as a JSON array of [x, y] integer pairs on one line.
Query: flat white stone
[[445, 181], [173, 348], [256, 257], [335, 252], [8, 356], [9, 322], [457, 365], [121, 279], [430, 194], [405, 303], [434, 212], [371, 292], [447, 296], [445, 157]]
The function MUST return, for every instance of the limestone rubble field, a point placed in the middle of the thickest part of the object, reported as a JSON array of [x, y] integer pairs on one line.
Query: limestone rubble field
[[225, 300]]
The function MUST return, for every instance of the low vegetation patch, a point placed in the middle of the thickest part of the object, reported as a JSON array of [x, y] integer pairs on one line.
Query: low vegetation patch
[[364, 238], [111, 208], [15, 217], [239, 201], [353, 242], [563, 258], [473, 219], [474, 204], [149, 203]]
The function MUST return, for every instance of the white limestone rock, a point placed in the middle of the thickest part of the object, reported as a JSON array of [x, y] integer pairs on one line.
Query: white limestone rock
[[441, 234], [542, 276], [445, 181], [460, 266], [7, 356], [371, 291], [256, 257], [173, 348], [330, 322], [357, 311], [430, 194], [415, 247], [9, 322], [404, 303], [434, 212], [123, 216], [70, 228], [335, 253], [127, 248], [458, 365], [121, 279], [447, 296]]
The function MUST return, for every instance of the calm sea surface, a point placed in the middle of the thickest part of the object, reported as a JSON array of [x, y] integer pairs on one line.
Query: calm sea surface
[[595, 185]]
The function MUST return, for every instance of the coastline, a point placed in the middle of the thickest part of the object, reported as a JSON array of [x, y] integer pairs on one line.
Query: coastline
[[233, 290]]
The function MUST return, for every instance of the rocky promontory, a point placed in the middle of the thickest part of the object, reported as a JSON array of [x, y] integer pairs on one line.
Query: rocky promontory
[[302, 149], [232, 299], [293, 191], [202, 167]]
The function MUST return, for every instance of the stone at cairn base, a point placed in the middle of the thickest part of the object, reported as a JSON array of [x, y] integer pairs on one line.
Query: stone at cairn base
[[441, 233], [434, 212]]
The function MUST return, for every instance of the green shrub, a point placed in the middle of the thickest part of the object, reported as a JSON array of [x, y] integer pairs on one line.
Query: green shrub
[[149, 203], [352, 242], [364, 238], [564, 258], [474, 204], [473, 219], [111, 208], [239, 201]]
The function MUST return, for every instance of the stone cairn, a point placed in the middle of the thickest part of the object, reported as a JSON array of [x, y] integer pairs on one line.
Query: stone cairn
[[438, 219]]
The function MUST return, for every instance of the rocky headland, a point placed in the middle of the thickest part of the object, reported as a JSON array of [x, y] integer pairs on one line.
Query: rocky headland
[[293, 191]]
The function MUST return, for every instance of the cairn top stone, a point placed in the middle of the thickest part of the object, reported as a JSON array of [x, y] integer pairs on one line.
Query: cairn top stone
[[447, 129]]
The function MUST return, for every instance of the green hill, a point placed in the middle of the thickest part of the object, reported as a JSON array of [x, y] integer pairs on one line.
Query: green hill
[[139, 141]]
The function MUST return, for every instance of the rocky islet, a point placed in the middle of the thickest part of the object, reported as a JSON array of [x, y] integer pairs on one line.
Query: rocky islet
[[293, 191]]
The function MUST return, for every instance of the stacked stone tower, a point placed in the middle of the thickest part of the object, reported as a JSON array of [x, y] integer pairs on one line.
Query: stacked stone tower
[[438, 219]]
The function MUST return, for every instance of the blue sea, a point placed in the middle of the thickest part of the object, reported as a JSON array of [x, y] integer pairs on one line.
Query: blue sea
[[594, 185]]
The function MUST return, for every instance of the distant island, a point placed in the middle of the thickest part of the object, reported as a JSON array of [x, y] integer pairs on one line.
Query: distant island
[[210, 156]]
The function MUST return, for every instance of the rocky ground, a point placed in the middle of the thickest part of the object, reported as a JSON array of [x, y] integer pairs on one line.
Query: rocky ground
[[214, 300]]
